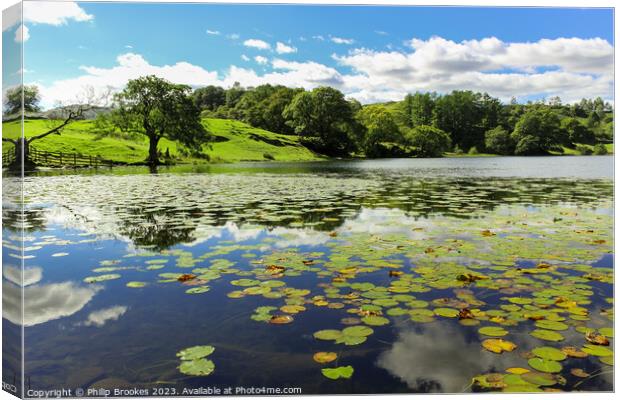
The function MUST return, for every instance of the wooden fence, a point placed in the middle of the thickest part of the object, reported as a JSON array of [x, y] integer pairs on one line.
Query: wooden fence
[[58, 159]]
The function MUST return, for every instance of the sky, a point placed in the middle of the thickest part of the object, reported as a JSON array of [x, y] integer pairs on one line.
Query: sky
[[370, 53]]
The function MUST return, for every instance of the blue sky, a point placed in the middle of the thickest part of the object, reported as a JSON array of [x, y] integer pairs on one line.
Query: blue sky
[[371, 53]]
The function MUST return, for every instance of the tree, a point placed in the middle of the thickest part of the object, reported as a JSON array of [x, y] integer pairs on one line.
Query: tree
[[157, 108], [422, 106], [209, 97], [13, 101], [498, 140], [379, 127], [576, 131], [537, 132], [324, 120], [459, 113], [428, 141]]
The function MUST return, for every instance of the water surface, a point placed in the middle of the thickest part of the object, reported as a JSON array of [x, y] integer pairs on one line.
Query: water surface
[[397, 245]]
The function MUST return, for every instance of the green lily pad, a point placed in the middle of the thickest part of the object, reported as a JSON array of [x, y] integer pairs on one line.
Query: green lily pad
[[196, 352], [350, 340], [551, 325], [358, 330], [375, 320], [539, 378], [446, 312], [609, 332], [494, 331], [543, 365], [599, 351], [328, 334], [200, 367], [101, 278], [549, 353], [544, 334], [338, 373], [198, 289], [135, 284], [245, 282]]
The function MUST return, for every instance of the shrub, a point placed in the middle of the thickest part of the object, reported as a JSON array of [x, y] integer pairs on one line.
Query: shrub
[[600, 149]]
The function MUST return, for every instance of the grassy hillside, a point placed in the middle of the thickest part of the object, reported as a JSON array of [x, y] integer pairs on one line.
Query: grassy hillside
[[234, 141]]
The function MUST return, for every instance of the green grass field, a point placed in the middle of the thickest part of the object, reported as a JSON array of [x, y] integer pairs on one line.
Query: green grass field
[[234, 141]]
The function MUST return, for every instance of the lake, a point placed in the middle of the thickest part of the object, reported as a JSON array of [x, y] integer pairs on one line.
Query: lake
[[404, 275]]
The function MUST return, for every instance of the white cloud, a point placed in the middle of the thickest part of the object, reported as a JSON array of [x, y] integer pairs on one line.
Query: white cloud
[[22, 34], [257, 44], [318, 37], [233, 36], [282, 48], [570, 68], [210, 32], [339, 40], [261, 59], [128, 46], [54, 13], [100, 317]]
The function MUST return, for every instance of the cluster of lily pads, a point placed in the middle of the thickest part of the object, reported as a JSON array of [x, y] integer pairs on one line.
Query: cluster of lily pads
[[194, 361]]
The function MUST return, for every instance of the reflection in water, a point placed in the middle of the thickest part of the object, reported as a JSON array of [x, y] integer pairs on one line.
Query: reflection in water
[[42, 302], [302, 240], [438, 358], [100, 317]]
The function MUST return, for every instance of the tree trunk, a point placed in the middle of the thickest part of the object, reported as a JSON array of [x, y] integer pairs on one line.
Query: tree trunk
[[153, 156]]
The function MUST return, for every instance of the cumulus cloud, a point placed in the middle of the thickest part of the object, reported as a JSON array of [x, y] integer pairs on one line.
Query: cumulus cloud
[[571, 68], [54, 13], [282, 48], [100, 317], [261, 60], [257, 44], [30, 275], [43, 303], [339, 40], [22, 34], [215, 33]]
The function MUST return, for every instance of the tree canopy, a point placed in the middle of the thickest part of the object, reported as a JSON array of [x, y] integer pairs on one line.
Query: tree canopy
[[13, 100], [157, 108]]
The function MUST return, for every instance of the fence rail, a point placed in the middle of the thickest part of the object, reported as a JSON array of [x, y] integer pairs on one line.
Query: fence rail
[[58, 159]]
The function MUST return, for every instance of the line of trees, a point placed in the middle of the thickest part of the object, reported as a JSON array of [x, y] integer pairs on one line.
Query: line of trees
[[422, 124]]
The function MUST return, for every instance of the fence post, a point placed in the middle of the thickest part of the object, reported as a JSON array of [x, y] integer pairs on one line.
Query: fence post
[[60, 157], [74, 160]]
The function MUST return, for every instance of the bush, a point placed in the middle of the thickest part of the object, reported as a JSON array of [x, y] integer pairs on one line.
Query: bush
[[268, 156], [428, 141], [599, 149], [583, 150], [457, 150], [473, 151]]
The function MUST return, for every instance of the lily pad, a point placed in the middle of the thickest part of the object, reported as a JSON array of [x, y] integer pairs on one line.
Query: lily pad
[[375, 320], [198, 290], [196, 352], [495, 331], [544, 334], [539, 378], [323, 357], [599, 351], [498, 345], [338, 373], [101, 278], [549, 353], [543, 365], [327, 334], [135, 284], [551, 325], [359, 330], [200, 367]]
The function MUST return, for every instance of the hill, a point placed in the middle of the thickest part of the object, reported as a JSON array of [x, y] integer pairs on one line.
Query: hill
[[234, 141]]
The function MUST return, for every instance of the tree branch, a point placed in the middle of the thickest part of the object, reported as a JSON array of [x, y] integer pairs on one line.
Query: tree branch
[[73, 115]]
